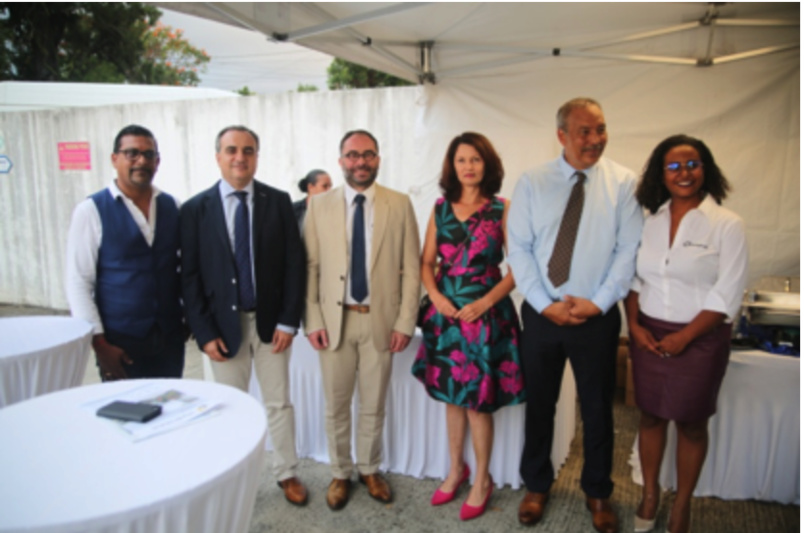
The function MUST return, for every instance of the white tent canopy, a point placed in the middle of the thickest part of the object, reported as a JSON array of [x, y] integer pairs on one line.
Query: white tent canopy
[[726, 72], [428, 41]]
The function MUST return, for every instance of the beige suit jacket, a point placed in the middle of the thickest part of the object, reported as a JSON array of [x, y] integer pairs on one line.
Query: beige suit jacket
[[394, 266]]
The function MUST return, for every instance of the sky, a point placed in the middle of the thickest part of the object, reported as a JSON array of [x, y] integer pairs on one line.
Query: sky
[[247, 58]]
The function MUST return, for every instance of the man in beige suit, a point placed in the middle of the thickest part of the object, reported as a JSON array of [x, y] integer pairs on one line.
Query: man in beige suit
[[362, 297]]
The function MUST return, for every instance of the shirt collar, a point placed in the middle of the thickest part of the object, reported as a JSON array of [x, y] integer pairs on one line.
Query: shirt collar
[[568, 171], [226, 189], [707, 206], [350, 193], [117, 193]]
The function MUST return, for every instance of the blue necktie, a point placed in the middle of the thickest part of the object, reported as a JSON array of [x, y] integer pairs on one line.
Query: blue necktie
[[359, 284], [242, 239]]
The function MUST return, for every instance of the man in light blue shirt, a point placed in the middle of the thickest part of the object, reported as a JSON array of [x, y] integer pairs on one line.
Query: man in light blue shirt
[[573, 230]]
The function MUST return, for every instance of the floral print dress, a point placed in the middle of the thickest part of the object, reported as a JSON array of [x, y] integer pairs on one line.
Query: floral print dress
[[475, 365]]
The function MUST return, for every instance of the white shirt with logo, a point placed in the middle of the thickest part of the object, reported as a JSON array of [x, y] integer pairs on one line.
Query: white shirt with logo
[[706, 268]]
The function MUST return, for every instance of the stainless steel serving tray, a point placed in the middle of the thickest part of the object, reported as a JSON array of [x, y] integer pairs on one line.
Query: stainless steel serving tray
[[774, 307]]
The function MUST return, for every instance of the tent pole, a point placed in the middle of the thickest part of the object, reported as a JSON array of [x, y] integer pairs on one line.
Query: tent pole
[[426, 51], [754, 53], [365, 40], [338, 24]]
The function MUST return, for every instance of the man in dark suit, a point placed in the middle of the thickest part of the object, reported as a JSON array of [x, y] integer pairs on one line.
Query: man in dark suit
[[243, 284]]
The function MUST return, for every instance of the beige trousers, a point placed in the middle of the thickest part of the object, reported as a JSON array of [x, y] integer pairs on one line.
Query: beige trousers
[[272, 375], [356, 360]]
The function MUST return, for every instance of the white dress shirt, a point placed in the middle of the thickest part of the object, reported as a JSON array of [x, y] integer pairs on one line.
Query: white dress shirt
[[706, 268], [83, 242], [604, 255], [368, 218]]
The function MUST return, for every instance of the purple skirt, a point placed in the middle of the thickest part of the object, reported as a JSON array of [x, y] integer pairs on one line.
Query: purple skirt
[[683, 387]]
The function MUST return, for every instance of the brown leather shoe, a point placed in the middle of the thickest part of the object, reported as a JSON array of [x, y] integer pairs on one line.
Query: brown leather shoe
[[295, 492], [377, 486], [603, 517], [532, 508], [338, 493]]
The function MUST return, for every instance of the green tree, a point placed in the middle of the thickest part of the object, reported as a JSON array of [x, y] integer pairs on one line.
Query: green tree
[[342, 74], [93, 42], [169, 58], [306, 88], [245, 91]]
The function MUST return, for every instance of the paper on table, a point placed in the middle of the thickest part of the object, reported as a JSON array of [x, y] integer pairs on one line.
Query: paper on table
[[178, 410]]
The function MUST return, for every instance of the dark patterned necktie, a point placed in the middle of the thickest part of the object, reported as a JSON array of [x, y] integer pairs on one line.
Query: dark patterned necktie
[[359, 284], [559, 265], [242, 238]]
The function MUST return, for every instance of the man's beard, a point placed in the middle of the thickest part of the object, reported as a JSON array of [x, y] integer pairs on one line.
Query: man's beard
[[350, 179]]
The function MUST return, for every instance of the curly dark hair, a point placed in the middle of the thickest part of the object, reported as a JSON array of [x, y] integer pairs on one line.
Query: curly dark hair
[[651, 192], [492, 167]]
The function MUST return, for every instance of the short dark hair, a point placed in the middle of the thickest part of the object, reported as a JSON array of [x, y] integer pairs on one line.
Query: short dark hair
[[135, 130], [651, 192], [492, 167], [565, 110], [310, 179], [227, 129], [359, 132]]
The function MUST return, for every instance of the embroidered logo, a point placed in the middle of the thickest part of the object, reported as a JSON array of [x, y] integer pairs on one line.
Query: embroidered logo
[[687, 244]]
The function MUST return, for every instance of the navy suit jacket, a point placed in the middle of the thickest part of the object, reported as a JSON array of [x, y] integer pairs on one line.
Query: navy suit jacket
[[209, 273]]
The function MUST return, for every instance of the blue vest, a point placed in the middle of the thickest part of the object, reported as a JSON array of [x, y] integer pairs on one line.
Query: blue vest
[[137, 285]]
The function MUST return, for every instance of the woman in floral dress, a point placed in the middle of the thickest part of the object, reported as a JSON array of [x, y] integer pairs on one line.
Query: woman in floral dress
[[469, 358]]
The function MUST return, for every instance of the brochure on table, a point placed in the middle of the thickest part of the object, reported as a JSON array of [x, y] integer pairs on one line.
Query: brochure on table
[[178, 410]]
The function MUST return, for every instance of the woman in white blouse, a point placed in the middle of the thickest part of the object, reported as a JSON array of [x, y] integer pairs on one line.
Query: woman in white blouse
[[691, 273]]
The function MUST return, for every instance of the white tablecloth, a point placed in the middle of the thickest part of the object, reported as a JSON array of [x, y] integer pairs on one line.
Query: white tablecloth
[[41, 354], [65, 470], [754, 438], [415, 439]]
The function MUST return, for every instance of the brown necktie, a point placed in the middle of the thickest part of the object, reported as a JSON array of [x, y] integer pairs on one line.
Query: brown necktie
[[559, 265]]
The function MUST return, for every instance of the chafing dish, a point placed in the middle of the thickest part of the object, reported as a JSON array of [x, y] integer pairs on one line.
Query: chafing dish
[[767, 305]]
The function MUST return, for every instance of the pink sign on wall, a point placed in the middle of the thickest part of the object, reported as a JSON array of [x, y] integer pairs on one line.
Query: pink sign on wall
[[74, 156]]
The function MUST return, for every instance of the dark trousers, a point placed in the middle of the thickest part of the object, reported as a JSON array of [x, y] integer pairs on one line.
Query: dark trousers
[[592, 351], [157, 355]]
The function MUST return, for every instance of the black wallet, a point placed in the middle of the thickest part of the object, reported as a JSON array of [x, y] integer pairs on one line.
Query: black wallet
[[130, 412]]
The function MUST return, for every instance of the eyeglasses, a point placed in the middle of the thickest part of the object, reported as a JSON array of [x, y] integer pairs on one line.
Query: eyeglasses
[[675, 166], [368, 156], [132, 154]]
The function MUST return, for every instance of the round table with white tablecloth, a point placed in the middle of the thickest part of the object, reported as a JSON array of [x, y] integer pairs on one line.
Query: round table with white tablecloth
[[41, 354], [66, 470]]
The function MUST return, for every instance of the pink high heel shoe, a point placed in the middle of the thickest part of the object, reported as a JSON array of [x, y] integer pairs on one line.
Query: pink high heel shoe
[[440, 497], [469, 512]]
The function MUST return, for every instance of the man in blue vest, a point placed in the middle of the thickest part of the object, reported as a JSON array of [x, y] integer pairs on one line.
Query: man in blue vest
[[122, 267]]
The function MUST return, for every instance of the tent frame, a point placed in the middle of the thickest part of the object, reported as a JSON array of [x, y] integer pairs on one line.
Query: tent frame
[[424, 71]]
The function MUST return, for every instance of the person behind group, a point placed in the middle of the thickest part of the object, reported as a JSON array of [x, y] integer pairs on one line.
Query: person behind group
[[469, 358], [692, 267], [122, 267], [362, 296], [315, 182], [243, 287], [573, 232]]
